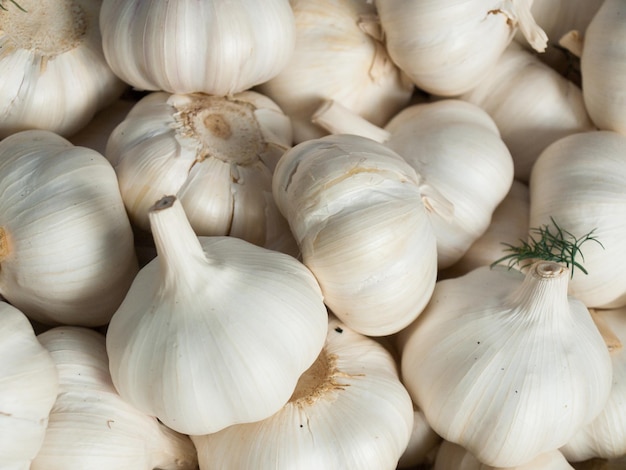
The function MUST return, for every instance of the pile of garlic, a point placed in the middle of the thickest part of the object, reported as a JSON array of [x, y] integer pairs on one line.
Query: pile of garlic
[[274, 235]]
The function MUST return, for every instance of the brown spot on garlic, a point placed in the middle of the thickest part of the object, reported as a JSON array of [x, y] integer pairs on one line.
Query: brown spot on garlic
[[48, 27], [218, 126], [318, 380]]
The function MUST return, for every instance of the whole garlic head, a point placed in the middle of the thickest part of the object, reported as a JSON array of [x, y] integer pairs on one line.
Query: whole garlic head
[[184, 47], [356, 211], [217, 154], [66, 244], [506, 364], [54, 74], [214, 331]]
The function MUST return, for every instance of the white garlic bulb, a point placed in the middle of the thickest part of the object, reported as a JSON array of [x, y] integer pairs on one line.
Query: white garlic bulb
[[579, 182], [184, 47], [339, 55], [214, 331], [29, 389], [217, 154], [66, 244], [529, 121], [605, 436], [431, 41], [54, 74], [452, 456], [356, 211], [348, 411], [457, 149], [603, 67], [90, 426], [506, 364]]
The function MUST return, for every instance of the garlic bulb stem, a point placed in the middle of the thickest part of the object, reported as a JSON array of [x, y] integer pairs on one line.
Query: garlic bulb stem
[[573, 42], [176, 243], [5, 246], [338, 119], [527, 25], [543, 290]]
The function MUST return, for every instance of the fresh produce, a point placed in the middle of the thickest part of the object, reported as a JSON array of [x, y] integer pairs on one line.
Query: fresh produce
[[397, 224]]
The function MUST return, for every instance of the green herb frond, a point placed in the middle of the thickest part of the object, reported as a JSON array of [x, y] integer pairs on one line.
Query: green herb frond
[[549, 244], [19, 7]]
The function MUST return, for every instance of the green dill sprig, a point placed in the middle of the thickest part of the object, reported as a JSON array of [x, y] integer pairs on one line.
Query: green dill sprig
[[549, 244], [2, 7]]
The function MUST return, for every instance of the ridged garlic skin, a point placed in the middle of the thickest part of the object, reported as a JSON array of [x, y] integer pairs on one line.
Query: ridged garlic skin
[[356, 211], [529, 121], [579, 181], [604, 436], [214, 331], [603, 67], [183, 46], [349, 411], [505, 364], [54, 74], [66, 244], [452, 456], [456, 148], [29, 389], [90, 426], [339, 55], [432, 40], [216, 153]]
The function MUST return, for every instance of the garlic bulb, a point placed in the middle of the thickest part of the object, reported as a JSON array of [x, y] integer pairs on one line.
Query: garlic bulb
[[604, 437], [348, 411], [422, 445], [339, 55], [506, 364], [356, 211], [508, 225], [452, 456], [54, 74], [90, 426], [214, 331], [457, 149], [603, 67], [431, 41], [66, 245], [579, 182], [217, 154], [529, 121], [29, 388], [183, 47]]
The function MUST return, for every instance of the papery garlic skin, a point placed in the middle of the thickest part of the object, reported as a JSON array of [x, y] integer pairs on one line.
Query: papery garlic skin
[[529, 121], [603, 67], [29, 389], [505, 364], [457, 149], [356, 211], [216, 153], [183, 47], [54, 74], [604, 436], [452, 456], [90, 426], [214, 331], [579, 182], [66, 244], [340, 55], [431, 41], [348, 411]]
